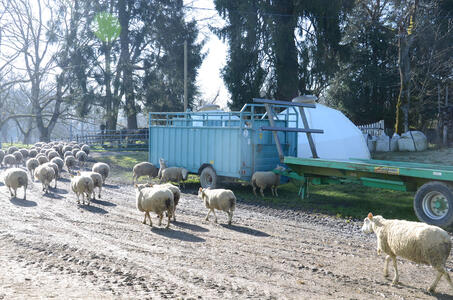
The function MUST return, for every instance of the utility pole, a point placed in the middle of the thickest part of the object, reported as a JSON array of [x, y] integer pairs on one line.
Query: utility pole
[[186, 102]]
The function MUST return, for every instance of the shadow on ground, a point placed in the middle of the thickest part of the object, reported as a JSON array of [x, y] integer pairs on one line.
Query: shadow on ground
[[245, 230], [102, 202], [191, 227], [22, 202], [177, 235]]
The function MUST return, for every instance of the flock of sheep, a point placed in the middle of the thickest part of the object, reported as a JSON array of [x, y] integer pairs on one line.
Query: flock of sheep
[[418, 242]]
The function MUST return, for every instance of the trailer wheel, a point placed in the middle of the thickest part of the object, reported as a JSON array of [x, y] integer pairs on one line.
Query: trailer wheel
[[433, 204], [208, 178]]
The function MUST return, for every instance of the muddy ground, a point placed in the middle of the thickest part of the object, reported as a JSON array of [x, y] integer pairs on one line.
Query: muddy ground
[[52, 248]]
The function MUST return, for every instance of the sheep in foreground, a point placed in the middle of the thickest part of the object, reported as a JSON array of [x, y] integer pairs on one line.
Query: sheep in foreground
[[10, 160], [156, 200], [82, 185], [97, 181], [144, 169], [220, 199], [101, 168], [32, 164], [266, 179], [45, 174], [15, 178], [70, 162], [2, 155], [418, 242], [174, 174], [174, 189], [162, 166]]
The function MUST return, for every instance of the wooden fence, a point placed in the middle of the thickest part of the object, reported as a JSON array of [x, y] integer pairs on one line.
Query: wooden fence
[[118, 140]]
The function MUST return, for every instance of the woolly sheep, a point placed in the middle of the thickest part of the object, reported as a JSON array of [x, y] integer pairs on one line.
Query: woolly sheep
[[15, 178], [2, 155], [162, 166], [19, 158], [42, 159], [55, 169], [220, 199], [25, 154], [45, 174], [156, 200], [74, 151], [67, 153], [82, 157], [66, 148], [97, 181], [174, 189], [82, 185], [144, 169], [264, 179], [86, 149], [10, 160], [59, 162], [418, 242], [52, 154], [70, 162], [174, 174], [12, 149], [101, 168], [32, 164], [32, 153]]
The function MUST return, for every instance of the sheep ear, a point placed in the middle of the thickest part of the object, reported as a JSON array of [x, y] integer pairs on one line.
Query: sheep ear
[[370, 216]]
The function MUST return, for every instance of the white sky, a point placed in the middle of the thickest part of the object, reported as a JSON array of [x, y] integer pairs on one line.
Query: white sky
[[209, 79]]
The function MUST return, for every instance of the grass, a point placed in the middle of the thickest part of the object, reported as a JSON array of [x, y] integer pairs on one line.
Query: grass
[[6, 145], [348, 201]]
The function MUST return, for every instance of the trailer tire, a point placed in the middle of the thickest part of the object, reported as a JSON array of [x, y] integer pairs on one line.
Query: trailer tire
[[208, 178], [433, 204]]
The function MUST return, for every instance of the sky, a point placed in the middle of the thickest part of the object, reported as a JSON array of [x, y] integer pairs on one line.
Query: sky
[[209, 78]]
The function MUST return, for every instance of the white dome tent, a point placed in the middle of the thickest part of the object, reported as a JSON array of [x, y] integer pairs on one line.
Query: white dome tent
[[341, 139]]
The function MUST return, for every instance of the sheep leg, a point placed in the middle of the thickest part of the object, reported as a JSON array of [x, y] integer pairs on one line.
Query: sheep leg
[[440, 271], [161, 215], [254, 190], [262, 193], [207, 216], [396, 277], [150, 221], [99, 195], [386, 266], [78, 200], [215, 216], [174, 214], [230, 216], [25, 192], [169, 216], [144, 220], [275, 189], [55, 182], [15, 192], [11, 192], [272, 191]]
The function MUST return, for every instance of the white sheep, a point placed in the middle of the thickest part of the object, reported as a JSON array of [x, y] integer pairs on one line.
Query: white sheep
[[174, 174], [15, 178], [162, 166], [32, 153], [67, 153], [97, 181], [101, 168], [54, 166], [156, 200], [52, 154], [32, 164], [10, 160], [45, 174], [82, 157], [25, 154], [86, 149], [82, 185], [264, 179], [70, 162], [12, 149], [418, 242], [220, 199], [174, 189], [59, 162], [19, 158], [144, 169], [74, 151], [2, 155], [42, 159]]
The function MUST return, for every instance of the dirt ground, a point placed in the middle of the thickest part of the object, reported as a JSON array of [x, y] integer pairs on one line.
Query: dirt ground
[[52, 248]]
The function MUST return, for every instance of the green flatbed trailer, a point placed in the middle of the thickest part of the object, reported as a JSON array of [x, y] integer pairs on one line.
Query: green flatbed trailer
[[433, 184]]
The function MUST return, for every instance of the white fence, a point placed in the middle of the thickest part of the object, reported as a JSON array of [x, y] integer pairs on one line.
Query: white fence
[[374, 129]]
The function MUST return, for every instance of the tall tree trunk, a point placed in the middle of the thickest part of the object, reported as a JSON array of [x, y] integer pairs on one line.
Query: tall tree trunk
[[111, 118], [126, 67], [286, 63]]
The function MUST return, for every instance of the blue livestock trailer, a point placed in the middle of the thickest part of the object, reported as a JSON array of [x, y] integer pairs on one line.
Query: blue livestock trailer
[[220, 145]]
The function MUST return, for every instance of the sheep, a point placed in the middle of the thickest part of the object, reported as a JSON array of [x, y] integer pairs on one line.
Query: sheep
[[86, 149], [32, 153], [59, 162], [32, 164], [74, 151], [97, 181], [174, 189], [174, 174], [55, 169], [162, 166], [67, 153], [264, 179], [12, 149], [220, 199], [42, 159], [156, 200], [2, 155], [45, 174], [25, 154], [144, 169], [52, 154], [19, 158], [101, 168], [15, 178], [66, 148], [82, 157], [82, 185], [10, 160], [70, 162], [418, 242]]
